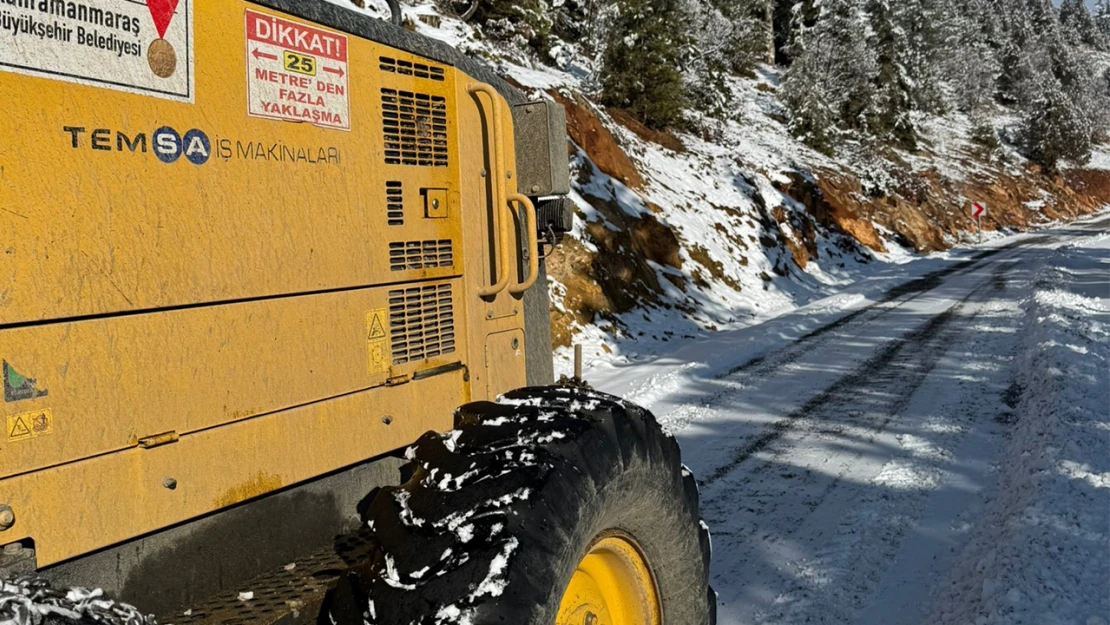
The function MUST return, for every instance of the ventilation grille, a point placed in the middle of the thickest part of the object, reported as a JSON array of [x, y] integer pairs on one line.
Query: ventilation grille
[[406, 68], [394, 204], [422, 323], [408, 255], [415, 126]]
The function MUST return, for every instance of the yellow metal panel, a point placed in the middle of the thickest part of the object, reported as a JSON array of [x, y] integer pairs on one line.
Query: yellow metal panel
[[115, 494], [114, 381], [113, 230], [505, 362]]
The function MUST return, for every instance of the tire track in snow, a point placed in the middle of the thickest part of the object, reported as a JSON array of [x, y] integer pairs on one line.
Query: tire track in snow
[[734, 382], [895, 299], [892, 300], [901, 364], [816, 514]]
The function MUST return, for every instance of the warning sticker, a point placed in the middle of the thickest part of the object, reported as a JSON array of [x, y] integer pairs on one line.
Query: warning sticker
[[296, 72], [30, 425], [377, 340], [138, 46]]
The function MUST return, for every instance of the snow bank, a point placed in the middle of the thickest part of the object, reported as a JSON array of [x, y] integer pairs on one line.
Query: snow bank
[[1100, 158], [1040, 556]]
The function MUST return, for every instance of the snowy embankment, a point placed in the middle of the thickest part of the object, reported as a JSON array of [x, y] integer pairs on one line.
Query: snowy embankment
[[1040, 554]]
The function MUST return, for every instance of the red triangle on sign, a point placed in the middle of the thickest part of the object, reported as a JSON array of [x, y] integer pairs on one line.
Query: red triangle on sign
[[162, 12]]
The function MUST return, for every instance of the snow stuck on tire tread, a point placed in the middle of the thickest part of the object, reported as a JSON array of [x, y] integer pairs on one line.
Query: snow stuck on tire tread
[[498, 513]]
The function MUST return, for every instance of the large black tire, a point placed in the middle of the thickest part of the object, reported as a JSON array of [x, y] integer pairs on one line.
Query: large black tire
[[498, 514]]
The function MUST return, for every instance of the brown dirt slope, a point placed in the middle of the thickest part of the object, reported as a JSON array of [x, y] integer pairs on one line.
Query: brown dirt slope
[[591, 135], [618, 277]]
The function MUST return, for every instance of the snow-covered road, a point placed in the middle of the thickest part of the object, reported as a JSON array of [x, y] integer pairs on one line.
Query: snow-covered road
[[907, 455]]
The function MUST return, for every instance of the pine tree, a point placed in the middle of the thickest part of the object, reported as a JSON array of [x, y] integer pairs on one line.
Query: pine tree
[[813, 115], [1018, 76], [1022, 53], [1102, 18], [843, 28], [918, 23], [716, 50], [528, 22], [783, 16], [1078, 24], [1055, 130], [964, 46], [983, 132], [1101, 132], [751, 31], [796, 18], [889, 110], [829, 87], [646, 41]]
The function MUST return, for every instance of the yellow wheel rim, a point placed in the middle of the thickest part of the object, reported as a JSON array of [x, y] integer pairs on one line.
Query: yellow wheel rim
[[613, 585]]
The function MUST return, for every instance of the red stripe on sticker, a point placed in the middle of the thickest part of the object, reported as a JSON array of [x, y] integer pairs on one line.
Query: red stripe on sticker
[[289, 35]]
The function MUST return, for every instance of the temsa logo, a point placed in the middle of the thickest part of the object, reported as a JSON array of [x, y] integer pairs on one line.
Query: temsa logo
[[166, 143]]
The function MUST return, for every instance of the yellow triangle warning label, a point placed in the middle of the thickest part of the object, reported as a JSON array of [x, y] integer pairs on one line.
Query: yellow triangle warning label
[[377, 330], [376, 339], [19, 429], [30, 425]]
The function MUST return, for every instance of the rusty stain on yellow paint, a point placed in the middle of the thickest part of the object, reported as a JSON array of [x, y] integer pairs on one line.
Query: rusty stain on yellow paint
[[236, 415], [257, 485]]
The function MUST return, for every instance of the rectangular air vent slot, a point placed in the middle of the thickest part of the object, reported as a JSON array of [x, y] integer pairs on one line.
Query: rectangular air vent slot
[[405, 68], [421, 322], [394, 203], [409, 255], [415, 126]]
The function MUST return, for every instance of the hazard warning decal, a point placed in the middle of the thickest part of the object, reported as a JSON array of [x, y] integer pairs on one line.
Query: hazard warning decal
[[137, 46], [377, 341], [30, 425], [296, 72]]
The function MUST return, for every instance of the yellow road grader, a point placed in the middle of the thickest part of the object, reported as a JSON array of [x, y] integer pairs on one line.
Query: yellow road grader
[[254, 256]]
